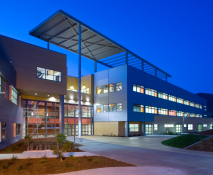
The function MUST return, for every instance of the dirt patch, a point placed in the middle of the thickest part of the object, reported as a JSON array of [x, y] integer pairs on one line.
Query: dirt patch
[[21, 145], [207, 132], [54, 165], [204, 145]]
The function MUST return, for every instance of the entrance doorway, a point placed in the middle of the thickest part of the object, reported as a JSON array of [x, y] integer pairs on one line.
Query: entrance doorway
[[149, 129]]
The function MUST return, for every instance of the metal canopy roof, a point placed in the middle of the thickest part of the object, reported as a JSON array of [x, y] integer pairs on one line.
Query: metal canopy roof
[[61, 29]]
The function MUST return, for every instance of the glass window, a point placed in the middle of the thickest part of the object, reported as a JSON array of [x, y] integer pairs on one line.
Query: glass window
[[211, 126], [163, 95], [134, 87], [168, 125], [106, 108], [138, 108], [162, 111], [48, 74], [204, 125], [184, 125], [197, 105], [200, 128], [2, 87], [99, 90], [111, 88], [172, 98], [133, 127], [118, 86], [192, 104], [186, 102], [111, 107], [14, 95], [192, 115], [172, 112], [98, 108], [85, 90], [200, 106], [180, 113], [106, 89], [190, 126], [180, 100], [151, 92], [18, 126], [155, 127], [151, 110], [178, 128], [119, 107], [3, 131]]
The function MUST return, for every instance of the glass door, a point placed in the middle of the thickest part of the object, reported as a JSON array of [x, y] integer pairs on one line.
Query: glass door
[[149, 129]]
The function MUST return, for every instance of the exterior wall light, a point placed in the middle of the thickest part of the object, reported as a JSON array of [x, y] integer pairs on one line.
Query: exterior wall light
[[71, 87], [83, 87], [35, 93]]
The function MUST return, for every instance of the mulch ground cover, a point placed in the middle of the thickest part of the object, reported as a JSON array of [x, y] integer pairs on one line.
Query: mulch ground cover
[[21, 145], [207, 132], [54, 165], [204, 145]]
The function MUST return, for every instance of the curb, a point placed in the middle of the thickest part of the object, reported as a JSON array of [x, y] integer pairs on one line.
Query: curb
[[197, 142]]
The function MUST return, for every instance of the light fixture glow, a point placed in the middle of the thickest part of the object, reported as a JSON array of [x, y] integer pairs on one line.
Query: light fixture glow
[[35, 93], [83, 87], [71, 87]]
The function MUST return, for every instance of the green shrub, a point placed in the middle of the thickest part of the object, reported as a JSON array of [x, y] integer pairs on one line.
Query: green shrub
[[4, 166], [84, 156], [14, 158], [28, 138], [44, 157], [102, 157], [43, 161], [201, 146], [95, 160], [20, 143], [61, 138], [14, 148], [67, 164], [71, 155], [77, 149], [211, 148], [89, 159], [20, 167], [79, 161], [9, 150], [74, 158]]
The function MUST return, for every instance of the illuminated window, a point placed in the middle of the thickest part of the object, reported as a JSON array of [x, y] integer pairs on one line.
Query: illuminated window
[[168, 125], [151, 110], [186, 102], [180, 113], [133, 127], [2, 86], [99, 90], [180, 100], [85, 90], [172, 98], [204, 125], [197, 115], [14, 95], [200, 128], [172, 112], [138, 88], [155, 127], [163, 95], [211, 126], [190, 126], [151, 92], [138, 108], [192, 104], [200, 106], [111, 88], [119, 107], [118, 86], [134, 87], [106, 89], [111, 107], [48, 74], [178, 128], [162, 111], [106, 108], [197, 105], [192, 115], [98, 108], [184, 125]]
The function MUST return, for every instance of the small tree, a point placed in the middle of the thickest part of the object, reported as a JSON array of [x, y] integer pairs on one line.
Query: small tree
[[65, 147], [61, 138], [28, 137]]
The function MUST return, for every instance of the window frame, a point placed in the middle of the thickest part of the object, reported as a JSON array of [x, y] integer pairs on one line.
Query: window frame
[[54, 76], [118, 108], [117, 85]]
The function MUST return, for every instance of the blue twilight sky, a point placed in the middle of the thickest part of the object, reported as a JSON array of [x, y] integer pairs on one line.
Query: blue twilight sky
[[174, 35]]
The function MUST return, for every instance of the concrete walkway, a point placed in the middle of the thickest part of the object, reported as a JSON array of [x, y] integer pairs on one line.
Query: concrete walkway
[[147, 151], [41, 153], [146, 170]]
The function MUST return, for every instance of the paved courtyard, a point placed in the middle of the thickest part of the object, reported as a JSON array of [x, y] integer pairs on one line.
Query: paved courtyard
[[148, 153]]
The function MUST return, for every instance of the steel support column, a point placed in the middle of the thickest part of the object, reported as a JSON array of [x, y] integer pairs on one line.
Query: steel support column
[[126, 129], [79, 82], [144, 128], [126, 57], [95, 65], [61, 114]]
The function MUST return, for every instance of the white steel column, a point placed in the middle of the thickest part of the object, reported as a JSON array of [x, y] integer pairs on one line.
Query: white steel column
[[79, 82]]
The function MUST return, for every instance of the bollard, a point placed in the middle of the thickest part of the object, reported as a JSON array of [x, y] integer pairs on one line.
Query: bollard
[[40, 147]]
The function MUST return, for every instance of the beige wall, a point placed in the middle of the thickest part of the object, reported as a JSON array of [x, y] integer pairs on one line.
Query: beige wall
[[26, 58], [106, 128]]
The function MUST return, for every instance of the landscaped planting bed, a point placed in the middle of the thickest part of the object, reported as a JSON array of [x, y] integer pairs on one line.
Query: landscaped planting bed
[[54, 165], [183, 141], [203, 145], [21, 145]]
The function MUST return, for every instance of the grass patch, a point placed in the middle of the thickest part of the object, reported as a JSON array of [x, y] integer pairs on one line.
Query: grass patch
[[183, 141]]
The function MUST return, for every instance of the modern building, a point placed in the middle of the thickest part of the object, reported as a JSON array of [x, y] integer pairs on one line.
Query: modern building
[[132, 97]]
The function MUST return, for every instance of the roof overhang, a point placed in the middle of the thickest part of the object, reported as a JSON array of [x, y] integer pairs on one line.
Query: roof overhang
[[61, 29]]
